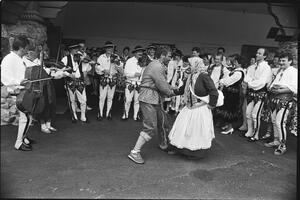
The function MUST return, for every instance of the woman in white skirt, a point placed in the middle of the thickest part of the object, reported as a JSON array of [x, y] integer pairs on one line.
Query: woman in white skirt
[[193, 130]]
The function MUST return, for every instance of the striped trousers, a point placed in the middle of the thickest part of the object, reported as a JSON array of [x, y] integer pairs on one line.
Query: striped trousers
[[279, 120], [253, 113]]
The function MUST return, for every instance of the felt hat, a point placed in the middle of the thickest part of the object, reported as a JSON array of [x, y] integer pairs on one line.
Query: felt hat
[[108, 44], [138, 48], [74, 46], [151, 47]]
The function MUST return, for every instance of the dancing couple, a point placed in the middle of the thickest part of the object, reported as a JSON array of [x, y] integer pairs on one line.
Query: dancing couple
[[193, 129]]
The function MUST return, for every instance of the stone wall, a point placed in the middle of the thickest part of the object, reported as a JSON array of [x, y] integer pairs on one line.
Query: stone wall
[[9, 112], [31, 25]]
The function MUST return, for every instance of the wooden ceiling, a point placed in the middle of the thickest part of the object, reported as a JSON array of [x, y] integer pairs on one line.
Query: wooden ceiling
[[12, 10]]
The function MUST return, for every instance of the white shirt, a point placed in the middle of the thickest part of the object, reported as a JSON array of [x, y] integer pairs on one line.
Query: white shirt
[[132, 67], [288, 78], [216, 73], [75, 65], [249, 73], [172, 68], [230, 80], [12, 69], [104, 63], [262, 76]]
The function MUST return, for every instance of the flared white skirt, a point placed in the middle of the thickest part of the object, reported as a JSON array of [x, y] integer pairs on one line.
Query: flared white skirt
[[193, 129]]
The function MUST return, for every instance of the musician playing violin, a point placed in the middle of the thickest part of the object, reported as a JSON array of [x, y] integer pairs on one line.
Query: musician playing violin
[[12, 75], [75, 83], [107, 67], [33, 59]]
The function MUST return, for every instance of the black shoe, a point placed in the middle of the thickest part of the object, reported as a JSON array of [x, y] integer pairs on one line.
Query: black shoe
[[24, 148], [31, 141], [109, 117], [252, 139], [99, 118], [74, 121], [27, 145]]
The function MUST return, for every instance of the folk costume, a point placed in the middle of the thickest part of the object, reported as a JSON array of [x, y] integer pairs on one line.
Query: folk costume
[[233, 98], [153, 89], [175, 78], [217, 73], [281, 104], [12, 73], [75, 86], [133, 83], [193, 131], [256, 93], [108, 82], [49, 94]]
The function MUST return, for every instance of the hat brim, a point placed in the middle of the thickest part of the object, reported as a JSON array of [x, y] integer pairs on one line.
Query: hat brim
[[109, 46], [139, 49], [151, 47]]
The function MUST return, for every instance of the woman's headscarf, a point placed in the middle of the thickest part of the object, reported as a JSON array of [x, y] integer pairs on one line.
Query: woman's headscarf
[[197, 67]]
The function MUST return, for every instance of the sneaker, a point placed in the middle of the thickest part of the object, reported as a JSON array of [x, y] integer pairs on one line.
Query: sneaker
[[280, 150], [272, 144], [136, 157]]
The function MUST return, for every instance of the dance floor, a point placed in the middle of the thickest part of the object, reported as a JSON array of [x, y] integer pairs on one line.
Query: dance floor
[[90, 161]]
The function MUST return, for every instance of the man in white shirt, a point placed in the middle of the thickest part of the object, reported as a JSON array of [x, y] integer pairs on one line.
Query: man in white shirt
[[75, 83], [12, 75], [107, 69], [282, 89], [218, 70], [175, 78], [257, 85], [133, 73], [249, 73]]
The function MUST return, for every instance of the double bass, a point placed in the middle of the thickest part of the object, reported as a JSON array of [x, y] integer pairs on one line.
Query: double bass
[[31, 98]]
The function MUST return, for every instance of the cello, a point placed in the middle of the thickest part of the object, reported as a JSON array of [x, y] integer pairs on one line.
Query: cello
[[31, 98]]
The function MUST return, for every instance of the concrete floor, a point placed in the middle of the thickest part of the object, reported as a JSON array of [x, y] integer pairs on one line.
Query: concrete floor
[[90, 161]]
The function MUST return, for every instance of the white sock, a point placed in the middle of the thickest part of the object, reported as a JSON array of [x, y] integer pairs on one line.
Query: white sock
[[139, 144]]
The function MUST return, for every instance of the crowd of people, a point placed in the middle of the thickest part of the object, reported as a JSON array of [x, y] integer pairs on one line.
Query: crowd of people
[[199, 89]]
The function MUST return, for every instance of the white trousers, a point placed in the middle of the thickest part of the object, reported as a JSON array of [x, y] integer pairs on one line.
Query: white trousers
[[24, 124], [106, 92], [82, 100], [128, 99], [253, 112], [279, 120]]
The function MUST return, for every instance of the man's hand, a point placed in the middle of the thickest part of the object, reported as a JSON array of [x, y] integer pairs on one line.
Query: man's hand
[[210, 107], [24, 82], [106, 72], [137, 74], [173, 87]]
